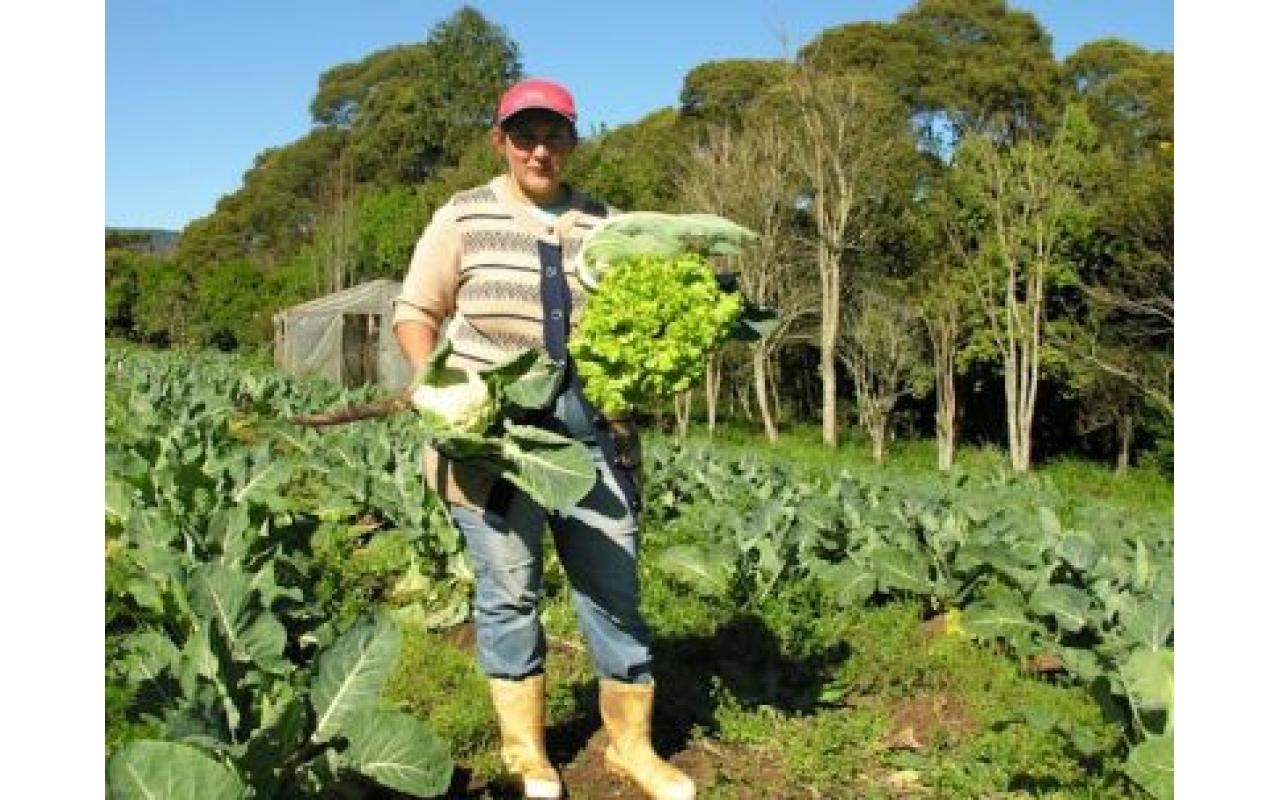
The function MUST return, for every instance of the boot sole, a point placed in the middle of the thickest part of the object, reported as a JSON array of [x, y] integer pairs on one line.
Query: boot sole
[[613, 766]]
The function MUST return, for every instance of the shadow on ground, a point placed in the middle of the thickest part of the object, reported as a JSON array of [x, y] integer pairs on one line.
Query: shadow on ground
[[740, 662]]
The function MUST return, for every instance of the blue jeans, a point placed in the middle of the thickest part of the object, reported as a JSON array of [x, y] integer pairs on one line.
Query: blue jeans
[[596, 541]]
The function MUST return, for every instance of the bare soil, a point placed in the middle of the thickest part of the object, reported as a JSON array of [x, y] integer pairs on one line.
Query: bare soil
[[577, 748]]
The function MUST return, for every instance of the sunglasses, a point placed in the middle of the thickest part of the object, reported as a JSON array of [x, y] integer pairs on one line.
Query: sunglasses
[[525, 139]]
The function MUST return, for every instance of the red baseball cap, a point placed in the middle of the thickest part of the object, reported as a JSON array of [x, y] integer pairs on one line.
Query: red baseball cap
[[537, 93]]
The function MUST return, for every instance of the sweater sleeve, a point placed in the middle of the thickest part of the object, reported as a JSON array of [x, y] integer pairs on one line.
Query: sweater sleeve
[[431, 286]]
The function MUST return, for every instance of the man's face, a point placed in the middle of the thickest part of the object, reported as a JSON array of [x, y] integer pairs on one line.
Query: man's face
[[536, 145]]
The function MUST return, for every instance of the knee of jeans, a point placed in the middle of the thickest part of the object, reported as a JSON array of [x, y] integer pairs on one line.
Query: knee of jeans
[[510, 588], [612, 607]]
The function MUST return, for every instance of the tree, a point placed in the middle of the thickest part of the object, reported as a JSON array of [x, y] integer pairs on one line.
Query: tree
[[1127, 92], [717, 93], [411, 110], [637, 166], [1122, 339], [984, 68], [892, 52], [747, 176], [400, 115], [233, 310], [122, 291], [1130, 287], [388, 223], [336, 232], [476, 165], [275, 210], [943, 303], [165, 306], [854, 154], [1028, 196], [1109, 400], [949, 237], [880, 344]]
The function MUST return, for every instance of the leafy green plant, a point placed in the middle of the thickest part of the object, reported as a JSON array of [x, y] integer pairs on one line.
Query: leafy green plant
[[474, 418], [226, 591], [241, 721], [1005, 559], [648, 330]]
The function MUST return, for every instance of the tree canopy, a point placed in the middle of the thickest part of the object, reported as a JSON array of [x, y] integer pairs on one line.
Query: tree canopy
[[398, 131]]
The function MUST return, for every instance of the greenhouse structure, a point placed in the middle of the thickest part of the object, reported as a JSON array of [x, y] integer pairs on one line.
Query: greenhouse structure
[[345, 336]]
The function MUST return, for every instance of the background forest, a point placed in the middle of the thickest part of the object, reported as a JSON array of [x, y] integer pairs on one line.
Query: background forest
[[966, 238]]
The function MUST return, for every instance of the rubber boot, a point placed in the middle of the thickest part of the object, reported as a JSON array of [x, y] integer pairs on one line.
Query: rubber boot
[[522, 718], [627, 711]]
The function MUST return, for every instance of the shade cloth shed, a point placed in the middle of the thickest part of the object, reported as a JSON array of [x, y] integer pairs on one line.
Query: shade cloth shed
[[345, 336]]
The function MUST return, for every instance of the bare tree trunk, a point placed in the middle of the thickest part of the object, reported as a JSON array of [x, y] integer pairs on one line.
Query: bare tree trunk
[[742, 395], [830, 332], [878, 427], [759, 369], [1124, 432], [714, 374], [942, 338], [773, 376], [1018, 425], [945, 417], [873, 416], [684, 409]]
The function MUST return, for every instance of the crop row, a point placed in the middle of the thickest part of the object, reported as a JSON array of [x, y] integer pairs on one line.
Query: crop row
[[242, 552], [1079, 589]]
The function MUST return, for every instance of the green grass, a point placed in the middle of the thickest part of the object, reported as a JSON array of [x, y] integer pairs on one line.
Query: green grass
[[1141, 488], [820, 693]]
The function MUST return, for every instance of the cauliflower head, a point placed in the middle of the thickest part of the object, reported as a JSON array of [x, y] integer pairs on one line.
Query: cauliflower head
[[458, 400]]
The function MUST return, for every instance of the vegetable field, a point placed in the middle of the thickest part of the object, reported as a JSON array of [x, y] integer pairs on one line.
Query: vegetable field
[[286, 616]]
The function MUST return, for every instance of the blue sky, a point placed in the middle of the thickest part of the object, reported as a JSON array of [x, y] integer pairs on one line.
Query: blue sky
[[194, 90]]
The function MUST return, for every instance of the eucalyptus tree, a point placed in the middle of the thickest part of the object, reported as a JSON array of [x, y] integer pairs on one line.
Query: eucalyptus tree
[[1027, 197]]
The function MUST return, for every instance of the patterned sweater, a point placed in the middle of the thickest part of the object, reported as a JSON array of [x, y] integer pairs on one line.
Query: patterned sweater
[[476, 266]]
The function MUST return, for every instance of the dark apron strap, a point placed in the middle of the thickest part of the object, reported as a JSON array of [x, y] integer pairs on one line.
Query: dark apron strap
[[557, 303]]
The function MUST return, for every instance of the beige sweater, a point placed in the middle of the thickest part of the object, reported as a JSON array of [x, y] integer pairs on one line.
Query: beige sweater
[[476, 265]]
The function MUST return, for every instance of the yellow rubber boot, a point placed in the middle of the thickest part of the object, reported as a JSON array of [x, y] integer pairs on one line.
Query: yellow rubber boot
[[627, 711], [522, 718]]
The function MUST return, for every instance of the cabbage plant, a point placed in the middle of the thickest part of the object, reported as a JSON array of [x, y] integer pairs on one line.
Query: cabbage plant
[[241, 721]]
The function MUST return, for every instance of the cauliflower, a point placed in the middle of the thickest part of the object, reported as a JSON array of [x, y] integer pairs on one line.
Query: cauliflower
[[458, 400]]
